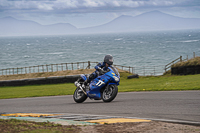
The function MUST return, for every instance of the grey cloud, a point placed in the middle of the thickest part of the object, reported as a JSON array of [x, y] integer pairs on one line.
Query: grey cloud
[[85, 6]]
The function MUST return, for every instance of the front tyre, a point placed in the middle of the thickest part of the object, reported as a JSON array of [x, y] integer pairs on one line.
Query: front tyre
[[109, 93], [79, 96]]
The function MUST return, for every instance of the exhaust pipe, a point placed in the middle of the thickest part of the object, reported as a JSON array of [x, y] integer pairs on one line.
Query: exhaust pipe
[[77, 84]]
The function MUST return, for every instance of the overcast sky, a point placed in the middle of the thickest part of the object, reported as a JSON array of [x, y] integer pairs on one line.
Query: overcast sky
[[86, 13]]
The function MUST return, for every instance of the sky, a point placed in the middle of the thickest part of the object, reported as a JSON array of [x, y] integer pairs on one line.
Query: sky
[[87, 13]]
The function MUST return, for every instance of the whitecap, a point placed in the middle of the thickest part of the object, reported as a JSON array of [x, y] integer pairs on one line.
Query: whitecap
[[56, 53], [100, 53], [118, 39], [169, 41], [190, 41], [28, 44], [128, 48], [26, 56], [53, 53]]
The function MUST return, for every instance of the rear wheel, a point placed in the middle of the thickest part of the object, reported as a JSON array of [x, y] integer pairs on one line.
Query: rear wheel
[[79, 96], [109, 93]]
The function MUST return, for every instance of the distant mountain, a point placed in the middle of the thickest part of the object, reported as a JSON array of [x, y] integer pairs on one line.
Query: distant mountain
[[13, 27], [149, 21]]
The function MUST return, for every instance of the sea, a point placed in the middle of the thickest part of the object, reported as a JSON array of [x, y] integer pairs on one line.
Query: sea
[[129, 49]]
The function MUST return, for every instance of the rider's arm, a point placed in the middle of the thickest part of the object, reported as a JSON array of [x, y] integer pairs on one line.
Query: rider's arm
[[100, 64]]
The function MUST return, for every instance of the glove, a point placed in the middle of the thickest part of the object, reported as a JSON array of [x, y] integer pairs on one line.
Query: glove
[[102, 72], [91, 76], [96, 67]]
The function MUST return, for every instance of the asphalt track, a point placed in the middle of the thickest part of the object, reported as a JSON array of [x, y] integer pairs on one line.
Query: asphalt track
[[163, 105]]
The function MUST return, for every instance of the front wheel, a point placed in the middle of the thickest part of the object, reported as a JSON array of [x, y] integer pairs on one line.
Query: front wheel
[[109, 93], [79, 96]]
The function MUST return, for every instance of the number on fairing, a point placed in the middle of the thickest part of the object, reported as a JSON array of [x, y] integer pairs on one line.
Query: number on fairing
[[100, 83]]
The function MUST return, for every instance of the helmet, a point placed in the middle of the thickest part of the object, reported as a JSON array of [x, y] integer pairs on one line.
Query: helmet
[[108, 59]]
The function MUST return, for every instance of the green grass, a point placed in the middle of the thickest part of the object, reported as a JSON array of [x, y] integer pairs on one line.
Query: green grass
[[36, 90], [19, 126], [191, 62], [159, 83]]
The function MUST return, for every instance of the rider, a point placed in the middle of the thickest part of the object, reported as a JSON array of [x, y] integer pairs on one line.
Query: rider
[[108, 61]]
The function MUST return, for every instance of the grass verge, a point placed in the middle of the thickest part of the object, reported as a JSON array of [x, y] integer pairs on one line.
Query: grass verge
[[16, 126], [151, 83], [191, 62]]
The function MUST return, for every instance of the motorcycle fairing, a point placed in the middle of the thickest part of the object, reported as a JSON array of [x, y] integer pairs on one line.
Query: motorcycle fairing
[[100, 82], [96, 85], [83, 77]]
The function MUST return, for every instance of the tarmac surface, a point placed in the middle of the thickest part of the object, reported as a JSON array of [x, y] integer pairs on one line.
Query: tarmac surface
[[171, 106]]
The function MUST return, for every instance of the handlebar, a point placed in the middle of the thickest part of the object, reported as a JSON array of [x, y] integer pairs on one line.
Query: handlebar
[[101, 70]]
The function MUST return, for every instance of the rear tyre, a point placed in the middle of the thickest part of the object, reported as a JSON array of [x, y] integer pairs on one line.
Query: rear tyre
[[79, 96], [109, 93]]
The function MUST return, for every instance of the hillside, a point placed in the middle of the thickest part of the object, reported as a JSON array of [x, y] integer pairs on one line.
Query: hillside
[[191, 62], [150, 21], [191, 66], [13, 27]]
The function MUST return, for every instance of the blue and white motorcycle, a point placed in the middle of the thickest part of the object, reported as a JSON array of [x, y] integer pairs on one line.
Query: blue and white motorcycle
[[104, 87]]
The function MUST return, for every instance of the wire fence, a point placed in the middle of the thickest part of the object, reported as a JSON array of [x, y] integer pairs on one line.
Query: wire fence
[[143, 71], [180, 59], [48, 68]]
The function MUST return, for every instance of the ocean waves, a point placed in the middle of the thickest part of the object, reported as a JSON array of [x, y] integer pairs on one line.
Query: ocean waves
[[130, 49]]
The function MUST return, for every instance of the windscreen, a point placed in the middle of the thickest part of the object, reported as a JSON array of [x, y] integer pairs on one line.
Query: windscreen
[[115, 70]]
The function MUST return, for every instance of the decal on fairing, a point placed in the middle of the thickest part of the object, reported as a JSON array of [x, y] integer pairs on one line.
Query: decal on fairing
[[100, 83], [91, 95]]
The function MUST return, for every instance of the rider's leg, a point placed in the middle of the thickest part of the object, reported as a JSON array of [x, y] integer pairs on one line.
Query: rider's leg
[[91, 77]]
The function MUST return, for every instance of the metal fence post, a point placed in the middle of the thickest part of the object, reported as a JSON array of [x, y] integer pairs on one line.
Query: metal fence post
[[66, 67], [47, 67], [88, 67], [42, 68], [51, 67]]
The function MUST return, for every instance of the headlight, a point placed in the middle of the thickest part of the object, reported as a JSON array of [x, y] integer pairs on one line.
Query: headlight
[[116, 78]]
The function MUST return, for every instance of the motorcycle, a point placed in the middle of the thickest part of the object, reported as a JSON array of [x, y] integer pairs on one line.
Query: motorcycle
[[103, 87]]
